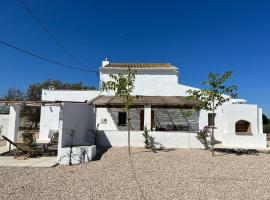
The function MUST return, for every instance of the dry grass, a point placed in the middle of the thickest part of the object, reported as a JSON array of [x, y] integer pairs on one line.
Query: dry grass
[[179, 174]]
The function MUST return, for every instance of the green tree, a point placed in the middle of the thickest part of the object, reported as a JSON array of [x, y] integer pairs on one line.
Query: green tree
[[213, 96], [265, 120], [14, 94], [123, 86], [34, 93]]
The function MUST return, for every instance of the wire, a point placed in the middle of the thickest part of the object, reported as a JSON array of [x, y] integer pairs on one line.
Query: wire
[[50, 34], [47, 59]]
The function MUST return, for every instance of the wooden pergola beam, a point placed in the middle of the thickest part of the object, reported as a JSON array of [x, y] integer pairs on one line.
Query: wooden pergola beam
[[29, 103]]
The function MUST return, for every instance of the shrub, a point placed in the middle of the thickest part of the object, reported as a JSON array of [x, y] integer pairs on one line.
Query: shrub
[[266, 128], [147, 140], [202, 136]]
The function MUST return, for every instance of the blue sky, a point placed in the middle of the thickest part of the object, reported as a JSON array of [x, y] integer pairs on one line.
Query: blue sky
[[197, 36]]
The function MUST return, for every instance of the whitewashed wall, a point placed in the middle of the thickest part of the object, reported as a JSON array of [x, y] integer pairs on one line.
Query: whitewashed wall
[[166, 139], [49, 117], [80, 118], [151, 82], [250, 113], [80, 154], [69, 95], [4, 124], [49, 120]]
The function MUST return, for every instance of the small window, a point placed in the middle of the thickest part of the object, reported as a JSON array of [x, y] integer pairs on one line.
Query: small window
[[211, 119], [122, 119]]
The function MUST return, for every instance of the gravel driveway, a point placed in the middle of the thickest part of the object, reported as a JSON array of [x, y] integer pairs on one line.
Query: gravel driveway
[[176, 174]]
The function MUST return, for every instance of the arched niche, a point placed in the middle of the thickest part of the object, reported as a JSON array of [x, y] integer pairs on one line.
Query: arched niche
[[243, 127]]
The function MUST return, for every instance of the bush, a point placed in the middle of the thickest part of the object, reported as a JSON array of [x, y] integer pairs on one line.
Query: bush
[[266, 128], [147, 140], [202, 136]]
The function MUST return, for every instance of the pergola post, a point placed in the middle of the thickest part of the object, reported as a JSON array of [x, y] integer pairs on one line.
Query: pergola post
[[147, 117], [14, 122]]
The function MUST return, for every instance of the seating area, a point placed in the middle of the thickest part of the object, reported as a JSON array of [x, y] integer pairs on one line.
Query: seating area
[[29, 147]]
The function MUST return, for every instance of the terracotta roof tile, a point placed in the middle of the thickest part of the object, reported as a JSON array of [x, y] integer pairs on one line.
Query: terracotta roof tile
[[142, 66]]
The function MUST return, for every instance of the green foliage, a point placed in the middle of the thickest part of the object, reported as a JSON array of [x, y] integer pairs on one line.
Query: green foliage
[[266, 128], [14, 94], [147, 141], [212, 97], [123, 86], [202, 136], [265, 120], [34, 93]]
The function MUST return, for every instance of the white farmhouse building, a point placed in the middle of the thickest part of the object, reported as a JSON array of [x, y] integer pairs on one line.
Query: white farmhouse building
[[161, 110]]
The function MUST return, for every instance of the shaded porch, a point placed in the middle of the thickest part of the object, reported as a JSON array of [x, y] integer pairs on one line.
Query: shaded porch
[[156, 113]]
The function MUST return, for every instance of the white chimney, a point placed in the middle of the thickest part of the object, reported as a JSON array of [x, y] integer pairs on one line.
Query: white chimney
[[51, 87], [105, 62]]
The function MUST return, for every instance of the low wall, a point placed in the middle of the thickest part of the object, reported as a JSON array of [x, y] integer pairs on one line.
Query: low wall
[[80, 154], [165, 139], [244, 141]]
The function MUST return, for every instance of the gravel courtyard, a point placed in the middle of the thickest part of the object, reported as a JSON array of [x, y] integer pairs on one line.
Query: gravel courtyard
[[175, 174]]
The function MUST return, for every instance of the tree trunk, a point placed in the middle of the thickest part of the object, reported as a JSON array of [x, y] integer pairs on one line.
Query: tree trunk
[[213, 131], [128, 132]]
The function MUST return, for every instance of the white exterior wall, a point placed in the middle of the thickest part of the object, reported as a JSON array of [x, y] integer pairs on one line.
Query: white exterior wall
[[4, 124], [69, 95], [151, 82], [79, 154], [219, 121], [49, 116], [250, 113], [101, 115], [49, 120], [80, 118], [13, 122], [165, 139]]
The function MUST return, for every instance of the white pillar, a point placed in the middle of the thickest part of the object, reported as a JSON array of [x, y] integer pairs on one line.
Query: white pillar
[[260, 121], [61, 132], [14, 122], [147, 117]]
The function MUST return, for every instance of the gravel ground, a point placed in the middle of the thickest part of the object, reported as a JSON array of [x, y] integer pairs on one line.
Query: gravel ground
[[176, 174]]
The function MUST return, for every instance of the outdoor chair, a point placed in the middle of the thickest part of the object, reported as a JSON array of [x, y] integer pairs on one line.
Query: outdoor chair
[[29, 139], [26, 149]]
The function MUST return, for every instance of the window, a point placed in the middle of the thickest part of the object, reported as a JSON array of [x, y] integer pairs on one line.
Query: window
[[211, 119], [122, 118]]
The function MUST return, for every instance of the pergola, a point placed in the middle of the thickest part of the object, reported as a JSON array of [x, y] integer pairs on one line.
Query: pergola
[[146, 102], [153, 101], [14, 113]]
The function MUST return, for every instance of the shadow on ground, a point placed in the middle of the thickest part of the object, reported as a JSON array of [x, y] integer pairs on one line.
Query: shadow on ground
[[237, 152], [100, 152]]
